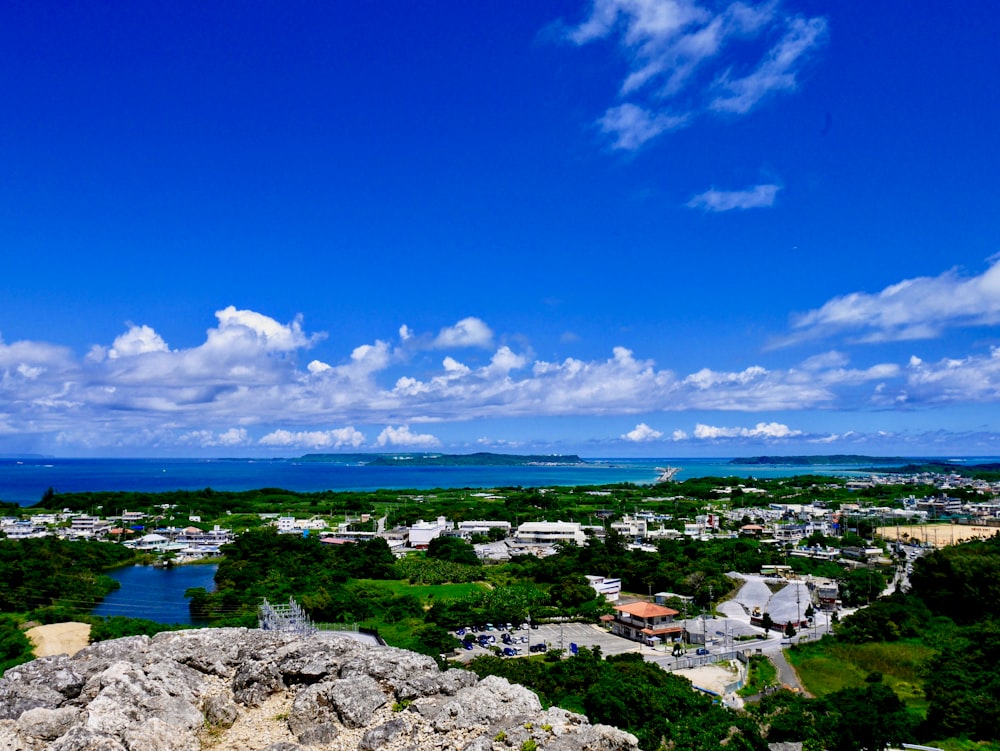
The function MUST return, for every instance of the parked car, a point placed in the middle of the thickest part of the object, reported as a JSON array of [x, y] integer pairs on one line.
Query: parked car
[[701, 651]]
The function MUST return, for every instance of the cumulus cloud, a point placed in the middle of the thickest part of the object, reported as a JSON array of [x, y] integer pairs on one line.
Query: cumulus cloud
[[642, 433], [918, 308], [336, 438], [759, 196], [402, 436], [974, 379], [760, 430], [241, 325], [211, 439], [676, 52], [253, 392], [138, 340], [469, 332]]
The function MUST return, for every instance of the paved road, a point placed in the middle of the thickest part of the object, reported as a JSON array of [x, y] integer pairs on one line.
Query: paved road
[[786, 673]]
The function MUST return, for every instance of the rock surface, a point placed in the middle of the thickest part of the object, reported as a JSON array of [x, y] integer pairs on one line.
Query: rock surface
[[261, 690]]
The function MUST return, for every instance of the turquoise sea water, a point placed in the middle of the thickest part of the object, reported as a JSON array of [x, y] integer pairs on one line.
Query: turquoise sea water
[[26, 481]]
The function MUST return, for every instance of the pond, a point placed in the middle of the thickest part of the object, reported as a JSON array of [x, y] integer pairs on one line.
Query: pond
[[156, 594]]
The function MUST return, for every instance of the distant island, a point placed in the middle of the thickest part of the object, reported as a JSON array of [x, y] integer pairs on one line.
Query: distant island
[[895, 465], [481, 459], [825, 460], [988, 472]]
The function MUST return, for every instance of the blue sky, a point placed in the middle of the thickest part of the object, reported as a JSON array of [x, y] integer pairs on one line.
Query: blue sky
[[615, 228]]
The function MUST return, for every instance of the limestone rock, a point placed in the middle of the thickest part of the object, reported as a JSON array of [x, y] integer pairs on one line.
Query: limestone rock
[[264, 691], [47, 724]]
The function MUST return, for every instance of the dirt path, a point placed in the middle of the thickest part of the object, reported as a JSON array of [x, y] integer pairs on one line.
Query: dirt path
[[59, 638]]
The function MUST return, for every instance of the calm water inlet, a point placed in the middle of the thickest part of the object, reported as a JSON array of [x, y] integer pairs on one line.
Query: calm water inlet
[[156, 594]]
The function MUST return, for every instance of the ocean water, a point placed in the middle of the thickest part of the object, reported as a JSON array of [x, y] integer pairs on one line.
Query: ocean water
[[25, 481]]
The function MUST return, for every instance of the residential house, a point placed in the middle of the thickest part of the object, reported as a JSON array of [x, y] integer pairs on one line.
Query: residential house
[[645, 622]]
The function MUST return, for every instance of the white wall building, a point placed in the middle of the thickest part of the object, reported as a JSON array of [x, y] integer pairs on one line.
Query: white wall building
[[423, 532], [547, 533], [606, 586], [630, 526], [470, 527]]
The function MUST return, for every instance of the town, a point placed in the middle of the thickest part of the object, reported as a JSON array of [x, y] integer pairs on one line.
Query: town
[[723, 582]]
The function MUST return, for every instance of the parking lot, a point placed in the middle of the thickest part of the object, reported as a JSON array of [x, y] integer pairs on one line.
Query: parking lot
[[555, 636]]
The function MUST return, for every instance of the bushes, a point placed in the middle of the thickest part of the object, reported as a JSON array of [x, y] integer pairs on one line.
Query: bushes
[[15, 647], [117, 626]]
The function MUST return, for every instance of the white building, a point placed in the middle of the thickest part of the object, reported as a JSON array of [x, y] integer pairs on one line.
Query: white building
[[547, 533], [608, 587], [423, 532], [471, 527], [630, 526]]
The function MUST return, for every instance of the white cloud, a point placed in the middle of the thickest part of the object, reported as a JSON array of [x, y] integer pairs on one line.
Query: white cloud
[[825, 361], [918, 308], [402, 436], [210, 439], [679, 435], [970, 379], [238, 388], [404, 333], [451, 365], [469, 332], [759, 196], [233, 437], [240, 325], [366, 360], [632, 126], [505, 360], [775, 73], [336, 438], [767, 430], [642, 433], [138, 340], [676, 52]]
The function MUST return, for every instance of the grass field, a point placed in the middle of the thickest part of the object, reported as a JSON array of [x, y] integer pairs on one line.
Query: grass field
[[828, 666], [427, 593], [762, 674]]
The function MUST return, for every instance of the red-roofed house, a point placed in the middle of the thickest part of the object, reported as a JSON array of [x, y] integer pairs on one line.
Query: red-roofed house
[[645, 622]]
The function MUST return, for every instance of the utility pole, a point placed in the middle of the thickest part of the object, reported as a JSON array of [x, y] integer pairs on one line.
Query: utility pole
[[798, 606]]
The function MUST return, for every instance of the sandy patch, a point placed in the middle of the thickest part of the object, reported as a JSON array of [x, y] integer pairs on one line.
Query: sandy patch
[[713, 677], [59, 638]]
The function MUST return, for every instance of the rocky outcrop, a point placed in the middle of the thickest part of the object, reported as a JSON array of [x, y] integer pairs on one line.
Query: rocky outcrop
[[247, 689]]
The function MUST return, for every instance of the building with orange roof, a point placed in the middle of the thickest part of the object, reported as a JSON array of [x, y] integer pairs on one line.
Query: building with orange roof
[[646, 622]]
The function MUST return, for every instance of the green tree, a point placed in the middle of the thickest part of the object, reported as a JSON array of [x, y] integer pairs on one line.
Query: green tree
[[766, 622], [452, 549], [866, 719]]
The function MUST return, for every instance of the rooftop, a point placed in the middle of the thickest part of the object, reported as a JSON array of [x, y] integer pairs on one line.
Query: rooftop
[[645, 610]]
